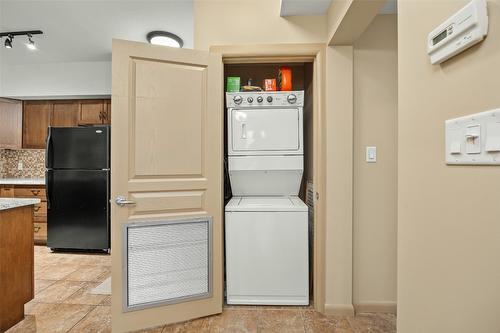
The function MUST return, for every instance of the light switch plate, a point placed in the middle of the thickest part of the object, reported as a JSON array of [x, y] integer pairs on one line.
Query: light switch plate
[[473, 139], [371, 154]]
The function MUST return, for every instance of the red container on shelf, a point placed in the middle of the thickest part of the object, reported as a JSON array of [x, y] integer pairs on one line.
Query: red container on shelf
[[269, 85], [285, 78]]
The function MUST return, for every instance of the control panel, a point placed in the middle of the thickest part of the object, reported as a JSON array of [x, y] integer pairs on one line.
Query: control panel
[[265, 99], [465, 28], [474, 139]]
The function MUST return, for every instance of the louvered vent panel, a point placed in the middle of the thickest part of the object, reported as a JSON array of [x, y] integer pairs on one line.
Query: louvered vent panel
[[167, 262]]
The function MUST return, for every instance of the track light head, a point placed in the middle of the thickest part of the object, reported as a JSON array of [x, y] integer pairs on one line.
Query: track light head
[[31, 44], [8, 42]]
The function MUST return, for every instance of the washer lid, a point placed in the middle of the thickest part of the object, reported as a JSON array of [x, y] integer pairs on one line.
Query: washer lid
[[266, 204]]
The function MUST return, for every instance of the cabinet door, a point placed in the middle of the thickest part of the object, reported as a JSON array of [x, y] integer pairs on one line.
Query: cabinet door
[[107, 112], [11, 124], [65, 114], [35, 123], [91, 112], [6, 192]]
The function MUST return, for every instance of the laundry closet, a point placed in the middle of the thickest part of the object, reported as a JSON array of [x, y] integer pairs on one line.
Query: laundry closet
[[268, 182]]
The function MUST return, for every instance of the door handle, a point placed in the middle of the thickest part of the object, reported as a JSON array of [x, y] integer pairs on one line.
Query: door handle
[[122, 201], [243, 130]]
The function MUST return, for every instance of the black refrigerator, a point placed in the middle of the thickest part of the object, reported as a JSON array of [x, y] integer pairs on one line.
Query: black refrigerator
[[77, 183]]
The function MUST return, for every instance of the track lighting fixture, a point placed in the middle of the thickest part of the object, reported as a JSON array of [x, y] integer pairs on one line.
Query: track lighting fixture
[[9, 37], [31, 44], [8, 42]]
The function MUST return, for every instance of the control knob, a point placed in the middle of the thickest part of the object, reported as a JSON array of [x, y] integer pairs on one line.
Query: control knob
[[269, 99], [237, 99], [250, 99], [292, 99], [260, 99]]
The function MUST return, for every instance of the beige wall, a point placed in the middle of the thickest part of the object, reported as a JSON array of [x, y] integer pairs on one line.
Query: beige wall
[[339, 135], [375, 184], [256, 22], [448, 216], [230, 22]]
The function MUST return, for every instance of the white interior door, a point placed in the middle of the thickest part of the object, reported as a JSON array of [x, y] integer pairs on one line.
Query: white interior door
[[166, 163]]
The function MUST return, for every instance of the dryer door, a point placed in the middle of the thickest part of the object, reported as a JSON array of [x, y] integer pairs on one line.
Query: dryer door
[[265, 131]]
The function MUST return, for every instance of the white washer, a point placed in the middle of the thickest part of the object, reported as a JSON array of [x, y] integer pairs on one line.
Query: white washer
[[267, 251], [266, 225]]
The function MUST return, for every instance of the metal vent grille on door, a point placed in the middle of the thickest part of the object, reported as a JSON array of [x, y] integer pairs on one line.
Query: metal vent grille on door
[[166, 262]]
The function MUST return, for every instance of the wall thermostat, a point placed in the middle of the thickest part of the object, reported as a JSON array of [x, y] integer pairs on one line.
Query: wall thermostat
[[463, 29]]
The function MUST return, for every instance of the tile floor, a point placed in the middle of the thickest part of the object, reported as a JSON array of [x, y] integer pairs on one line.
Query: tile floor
[[63, 304]]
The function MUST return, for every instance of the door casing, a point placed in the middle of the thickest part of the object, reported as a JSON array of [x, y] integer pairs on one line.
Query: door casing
[[287, 53]]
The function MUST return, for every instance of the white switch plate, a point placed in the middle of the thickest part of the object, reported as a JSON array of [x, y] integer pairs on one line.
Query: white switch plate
[[473, 139], [20, 166], [371, 154]]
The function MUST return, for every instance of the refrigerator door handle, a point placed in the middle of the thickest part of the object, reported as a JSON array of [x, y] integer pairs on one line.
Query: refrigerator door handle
[[48, 186], [47, 149]]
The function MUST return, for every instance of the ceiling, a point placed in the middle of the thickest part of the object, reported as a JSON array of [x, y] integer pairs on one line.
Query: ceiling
[[304, 7], [82, 30], [390, 7], [320, 7]]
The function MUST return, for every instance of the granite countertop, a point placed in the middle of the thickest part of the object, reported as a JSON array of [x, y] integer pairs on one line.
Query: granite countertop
[[9, 203], [22, 181]]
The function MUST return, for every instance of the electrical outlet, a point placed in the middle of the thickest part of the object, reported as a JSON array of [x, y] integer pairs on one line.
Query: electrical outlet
[[20, 166]]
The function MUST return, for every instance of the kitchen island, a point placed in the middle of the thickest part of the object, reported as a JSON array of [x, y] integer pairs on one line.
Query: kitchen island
[[16, 259]]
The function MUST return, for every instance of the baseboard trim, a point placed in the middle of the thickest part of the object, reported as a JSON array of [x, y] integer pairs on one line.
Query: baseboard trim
[[339, 309], [378, 307]]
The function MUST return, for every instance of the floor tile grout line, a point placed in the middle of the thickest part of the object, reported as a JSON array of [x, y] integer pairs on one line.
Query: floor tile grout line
[[92, 309]]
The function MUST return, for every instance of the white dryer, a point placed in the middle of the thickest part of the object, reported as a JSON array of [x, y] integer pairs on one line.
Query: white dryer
[[266, 226]]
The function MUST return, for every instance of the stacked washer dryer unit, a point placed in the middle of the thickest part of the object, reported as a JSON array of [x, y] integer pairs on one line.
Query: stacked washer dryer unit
[[266, 226]]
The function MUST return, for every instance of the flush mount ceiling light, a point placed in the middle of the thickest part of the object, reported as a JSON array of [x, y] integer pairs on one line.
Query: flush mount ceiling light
[[164, 38], [10, 36]]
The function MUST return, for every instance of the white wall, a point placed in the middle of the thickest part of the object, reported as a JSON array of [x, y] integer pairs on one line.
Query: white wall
[[56, 79]]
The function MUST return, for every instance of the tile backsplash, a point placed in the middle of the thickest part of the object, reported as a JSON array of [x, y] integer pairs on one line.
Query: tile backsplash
[[33, 161]]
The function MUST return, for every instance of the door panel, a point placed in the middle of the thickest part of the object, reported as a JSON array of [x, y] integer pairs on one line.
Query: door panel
[[36, 120], [166, 155], [269, 130], [65, 114], [91, 112]]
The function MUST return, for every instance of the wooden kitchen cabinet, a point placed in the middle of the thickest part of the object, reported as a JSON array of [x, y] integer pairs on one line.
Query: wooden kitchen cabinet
[[6, 192], [91, 112], [36, 120], [36, 116], [11, 124], [107, 112], [39, 211], [17, 285], [65, 114]]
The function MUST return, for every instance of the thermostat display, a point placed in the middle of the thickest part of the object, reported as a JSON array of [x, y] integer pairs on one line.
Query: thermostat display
[[465, 28]]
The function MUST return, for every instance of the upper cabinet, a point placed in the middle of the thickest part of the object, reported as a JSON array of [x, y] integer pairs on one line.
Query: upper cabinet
[[36, 121], [107, 112], [25, 124], [11, 124], [65, 114], [95, 112]]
